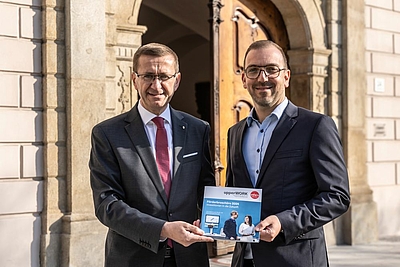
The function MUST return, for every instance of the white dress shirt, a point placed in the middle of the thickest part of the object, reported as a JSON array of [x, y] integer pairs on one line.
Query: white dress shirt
[[151, 130]]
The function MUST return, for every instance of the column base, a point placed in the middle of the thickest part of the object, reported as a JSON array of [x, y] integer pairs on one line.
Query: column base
[[361, 223], [83, 243]]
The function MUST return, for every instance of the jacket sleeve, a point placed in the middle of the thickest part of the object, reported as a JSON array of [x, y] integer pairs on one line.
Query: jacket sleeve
[[109, 196], [332, 198]]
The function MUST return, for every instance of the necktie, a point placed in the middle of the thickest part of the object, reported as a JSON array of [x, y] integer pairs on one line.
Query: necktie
[[162, 156]]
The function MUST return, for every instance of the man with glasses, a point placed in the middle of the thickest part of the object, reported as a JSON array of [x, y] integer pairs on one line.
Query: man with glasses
[[148, 169], [295, 156]]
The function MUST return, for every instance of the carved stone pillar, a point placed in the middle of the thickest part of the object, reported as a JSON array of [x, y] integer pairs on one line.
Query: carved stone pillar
[[128, 40], [215, 21], [308, 77], [124, 36]]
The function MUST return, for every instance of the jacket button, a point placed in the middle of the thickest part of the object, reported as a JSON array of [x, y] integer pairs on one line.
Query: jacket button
[[170, 214]]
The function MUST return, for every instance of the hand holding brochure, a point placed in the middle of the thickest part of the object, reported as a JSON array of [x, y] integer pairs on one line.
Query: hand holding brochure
[[231, 213]]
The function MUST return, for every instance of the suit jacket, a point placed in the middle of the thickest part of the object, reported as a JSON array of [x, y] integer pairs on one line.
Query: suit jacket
[[230, 228], [304, 182], [128, 193]]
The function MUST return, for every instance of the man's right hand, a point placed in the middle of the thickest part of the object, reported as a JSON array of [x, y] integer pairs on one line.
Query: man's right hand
[[269, 228]]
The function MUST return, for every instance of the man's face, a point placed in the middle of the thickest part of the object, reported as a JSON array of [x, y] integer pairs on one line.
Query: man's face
[[265, 91], [156, 94]]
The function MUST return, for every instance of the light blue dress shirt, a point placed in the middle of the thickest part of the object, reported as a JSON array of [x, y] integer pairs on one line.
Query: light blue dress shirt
[[256, 139]]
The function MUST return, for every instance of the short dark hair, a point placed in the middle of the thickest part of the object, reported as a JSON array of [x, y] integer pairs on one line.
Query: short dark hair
[[264, 44], [154, 49]]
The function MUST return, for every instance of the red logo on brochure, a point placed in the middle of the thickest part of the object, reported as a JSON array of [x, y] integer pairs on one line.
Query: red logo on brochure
[[254, 195]]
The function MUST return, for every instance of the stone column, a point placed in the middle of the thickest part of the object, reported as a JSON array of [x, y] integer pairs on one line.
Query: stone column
[[85, 30], [360, 222], [54, 128], [99, 45]]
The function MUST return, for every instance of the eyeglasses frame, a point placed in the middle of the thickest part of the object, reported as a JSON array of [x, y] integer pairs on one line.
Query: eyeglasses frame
[[156, 76], [263, 69]]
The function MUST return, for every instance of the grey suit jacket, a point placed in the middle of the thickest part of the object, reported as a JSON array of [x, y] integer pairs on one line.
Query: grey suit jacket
[[128, 194], [304, 181]]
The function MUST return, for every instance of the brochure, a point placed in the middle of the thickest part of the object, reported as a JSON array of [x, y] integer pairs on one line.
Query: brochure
[[231, 213]]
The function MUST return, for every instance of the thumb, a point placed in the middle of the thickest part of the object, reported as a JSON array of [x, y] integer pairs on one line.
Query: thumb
[[194, 229], [262, 225], [196, 223]]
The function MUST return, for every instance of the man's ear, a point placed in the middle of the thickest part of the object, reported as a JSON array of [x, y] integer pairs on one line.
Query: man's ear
[[287, 78], [133, 76], [244, 80], [177, 81]]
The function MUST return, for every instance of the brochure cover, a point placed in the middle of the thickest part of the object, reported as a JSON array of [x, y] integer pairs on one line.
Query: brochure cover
[[231, 213]]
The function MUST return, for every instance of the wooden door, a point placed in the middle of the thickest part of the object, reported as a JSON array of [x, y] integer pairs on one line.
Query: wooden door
[[235, 25]]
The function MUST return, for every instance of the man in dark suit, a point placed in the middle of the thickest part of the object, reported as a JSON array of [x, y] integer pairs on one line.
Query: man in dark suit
[[295, 156], [230, 226], [150, 223]]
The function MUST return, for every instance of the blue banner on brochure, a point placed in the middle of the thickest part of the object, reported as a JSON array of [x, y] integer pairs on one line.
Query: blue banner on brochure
[[231, 213]]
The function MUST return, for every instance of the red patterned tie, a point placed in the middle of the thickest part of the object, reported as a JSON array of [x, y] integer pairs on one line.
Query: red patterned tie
[[162, 156]]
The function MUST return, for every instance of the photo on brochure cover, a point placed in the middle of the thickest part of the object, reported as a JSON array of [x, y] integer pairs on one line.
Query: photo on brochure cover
[[231, 213]]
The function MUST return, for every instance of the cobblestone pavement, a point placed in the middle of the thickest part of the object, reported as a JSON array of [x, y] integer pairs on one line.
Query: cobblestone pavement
[[384, 253]]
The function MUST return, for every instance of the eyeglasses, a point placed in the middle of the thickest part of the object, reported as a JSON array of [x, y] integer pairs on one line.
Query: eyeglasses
[[272, 72], [149, 78]]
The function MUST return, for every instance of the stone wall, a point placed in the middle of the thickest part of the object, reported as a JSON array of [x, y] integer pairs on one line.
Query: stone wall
[[382, 20], [21, 134]]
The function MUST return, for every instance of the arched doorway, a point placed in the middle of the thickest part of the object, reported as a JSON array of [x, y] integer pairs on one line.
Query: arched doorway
[[192, 34], [232, 27], [299, 29]]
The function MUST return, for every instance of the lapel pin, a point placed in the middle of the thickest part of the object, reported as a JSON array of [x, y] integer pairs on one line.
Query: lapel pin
[[183, 127]]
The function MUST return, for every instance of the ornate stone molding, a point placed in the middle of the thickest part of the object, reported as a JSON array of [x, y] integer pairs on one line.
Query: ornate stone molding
[[125, 89], [309, 72], [215, 20]]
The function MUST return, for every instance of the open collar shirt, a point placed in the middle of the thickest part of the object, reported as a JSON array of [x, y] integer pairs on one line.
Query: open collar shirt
[[256, 139]]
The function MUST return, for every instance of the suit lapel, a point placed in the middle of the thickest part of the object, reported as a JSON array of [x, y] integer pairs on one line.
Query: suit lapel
[[283, 128], [179, 133], [138, 136], [239, 145]]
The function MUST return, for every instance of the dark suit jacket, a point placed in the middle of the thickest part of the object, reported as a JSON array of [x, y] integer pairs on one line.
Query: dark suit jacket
[[128, 194], [230, 228], [304, 181]]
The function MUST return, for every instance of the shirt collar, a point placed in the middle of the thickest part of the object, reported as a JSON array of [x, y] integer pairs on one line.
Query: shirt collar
[[278, 111], [148, 116]]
